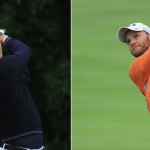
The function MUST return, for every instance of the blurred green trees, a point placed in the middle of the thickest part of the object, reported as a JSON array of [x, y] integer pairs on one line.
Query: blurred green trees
[[44, 25]]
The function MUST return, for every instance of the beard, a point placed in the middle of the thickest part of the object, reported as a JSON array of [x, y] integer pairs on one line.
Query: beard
[[140, 49]]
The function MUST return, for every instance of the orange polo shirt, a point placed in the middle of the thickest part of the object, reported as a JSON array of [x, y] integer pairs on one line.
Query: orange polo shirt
[[139, 72]]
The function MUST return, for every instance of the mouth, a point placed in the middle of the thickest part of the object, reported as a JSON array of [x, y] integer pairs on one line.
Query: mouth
[[134, 48]]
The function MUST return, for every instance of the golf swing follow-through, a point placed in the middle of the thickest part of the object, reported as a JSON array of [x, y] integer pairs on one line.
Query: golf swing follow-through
[[137, 37], [20, 123]]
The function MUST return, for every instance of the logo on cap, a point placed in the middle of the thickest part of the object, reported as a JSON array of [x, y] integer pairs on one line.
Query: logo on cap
[[132, 25]]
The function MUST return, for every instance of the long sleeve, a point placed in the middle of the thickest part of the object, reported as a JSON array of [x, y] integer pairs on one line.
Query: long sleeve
[[13, 64], [148, 95], [139, 72]]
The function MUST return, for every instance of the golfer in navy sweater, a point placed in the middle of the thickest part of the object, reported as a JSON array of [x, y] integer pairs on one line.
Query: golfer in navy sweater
[[20, 124]]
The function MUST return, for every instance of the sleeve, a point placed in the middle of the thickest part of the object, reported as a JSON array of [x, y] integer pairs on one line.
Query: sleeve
[[148, 95], [19, 53], [145, 62]]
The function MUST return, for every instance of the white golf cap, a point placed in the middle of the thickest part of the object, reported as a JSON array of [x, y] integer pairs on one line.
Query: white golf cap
[[135, 27]]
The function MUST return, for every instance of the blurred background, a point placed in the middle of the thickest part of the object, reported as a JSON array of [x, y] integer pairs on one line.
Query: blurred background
[[108, 111], [44, 25]]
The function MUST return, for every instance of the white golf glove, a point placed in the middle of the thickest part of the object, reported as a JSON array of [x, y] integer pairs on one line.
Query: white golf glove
[[2, 31]]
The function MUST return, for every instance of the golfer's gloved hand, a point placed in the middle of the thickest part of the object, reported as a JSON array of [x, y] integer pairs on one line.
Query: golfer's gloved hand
[[3, 31], [3, 36]]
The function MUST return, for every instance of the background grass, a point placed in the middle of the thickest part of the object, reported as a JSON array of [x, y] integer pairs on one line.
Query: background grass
[[108, 111]]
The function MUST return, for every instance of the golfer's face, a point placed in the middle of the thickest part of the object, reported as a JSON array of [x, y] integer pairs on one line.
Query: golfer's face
[[138, 42]]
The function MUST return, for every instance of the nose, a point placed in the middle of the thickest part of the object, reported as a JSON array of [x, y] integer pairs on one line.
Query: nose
[[132, 42]]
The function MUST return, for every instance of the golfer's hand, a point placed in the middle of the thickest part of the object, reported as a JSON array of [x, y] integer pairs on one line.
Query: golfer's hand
[[3, 38]]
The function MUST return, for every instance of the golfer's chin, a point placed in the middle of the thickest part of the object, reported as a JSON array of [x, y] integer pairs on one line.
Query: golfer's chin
[[138, 52]]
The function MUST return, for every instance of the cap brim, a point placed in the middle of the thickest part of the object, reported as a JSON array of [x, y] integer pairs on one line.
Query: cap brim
[[121, 34]]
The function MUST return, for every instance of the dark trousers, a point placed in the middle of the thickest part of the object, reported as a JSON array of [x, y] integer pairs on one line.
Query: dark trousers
[[34, 141]]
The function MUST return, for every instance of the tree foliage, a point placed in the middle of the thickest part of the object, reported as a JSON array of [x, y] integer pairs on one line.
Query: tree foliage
[[44, 25]]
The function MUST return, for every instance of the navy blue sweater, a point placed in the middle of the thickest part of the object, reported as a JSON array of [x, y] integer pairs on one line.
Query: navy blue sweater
[[18, 113]]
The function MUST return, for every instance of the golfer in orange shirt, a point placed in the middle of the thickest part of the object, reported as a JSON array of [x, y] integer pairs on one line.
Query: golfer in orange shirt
[[137, 37]]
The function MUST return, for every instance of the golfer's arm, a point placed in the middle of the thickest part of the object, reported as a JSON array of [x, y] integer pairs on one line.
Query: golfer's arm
[[1, 52], [19, 52], [19, 55]]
